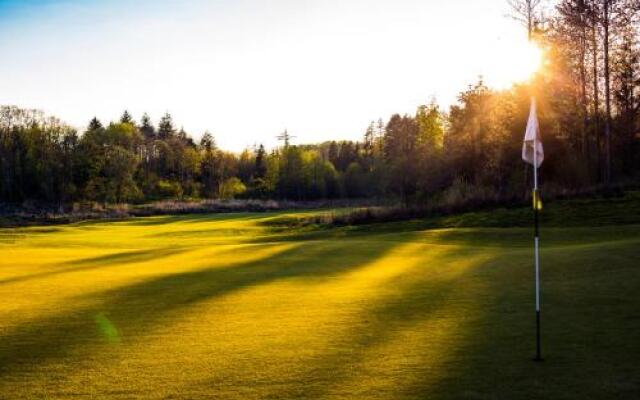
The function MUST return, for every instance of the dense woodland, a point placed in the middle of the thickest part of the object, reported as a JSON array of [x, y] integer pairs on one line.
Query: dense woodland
[[588, 96]]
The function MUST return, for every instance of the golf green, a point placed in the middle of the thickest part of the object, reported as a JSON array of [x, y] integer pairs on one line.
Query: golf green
[[229, 307]]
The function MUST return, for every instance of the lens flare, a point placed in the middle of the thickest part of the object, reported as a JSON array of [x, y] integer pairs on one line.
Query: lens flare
[[107, 329]]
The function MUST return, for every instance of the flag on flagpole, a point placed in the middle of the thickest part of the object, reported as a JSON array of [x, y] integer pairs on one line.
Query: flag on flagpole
[[532, 151], [533, 154]]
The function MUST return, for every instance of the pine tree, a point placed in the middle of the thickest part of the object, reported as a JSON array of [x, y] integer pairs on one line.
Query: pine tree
[[369, 139], [95, 124], [146, 127], [261, 162], [210, 170], [182, 135], [126, 118], [166, 129], [208, 142], [332, 155]]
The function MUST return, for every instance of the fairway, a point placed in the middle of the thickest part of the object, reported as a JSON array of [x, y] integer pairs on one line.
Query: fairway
[[230, 307]]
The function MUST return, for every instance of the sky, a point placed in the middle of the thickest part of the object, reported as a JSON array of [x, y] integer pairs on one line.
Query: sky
[[247, 69]]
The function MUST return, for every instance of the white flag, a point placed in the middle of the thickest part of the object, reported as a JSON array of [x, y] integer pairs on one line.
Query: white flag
[[532, 139]]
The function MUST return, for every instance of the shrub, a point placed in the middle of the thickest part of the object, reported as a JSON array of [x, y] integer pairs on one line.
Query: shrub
[[168, 190], [231, 188]]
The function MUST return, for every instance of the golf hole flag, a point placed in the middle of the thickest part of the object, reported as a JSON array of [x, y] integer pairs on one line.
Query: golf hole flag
[[533, 154], [532, 151]]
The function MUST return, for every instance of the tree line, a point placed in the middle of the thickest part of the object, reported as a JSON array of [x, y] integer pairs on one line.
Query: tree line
[[591, 80], [588, 100]]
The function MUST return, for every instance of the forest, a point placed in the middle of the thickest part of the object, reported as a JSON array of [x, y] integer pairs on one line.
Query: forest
[[588, 97]]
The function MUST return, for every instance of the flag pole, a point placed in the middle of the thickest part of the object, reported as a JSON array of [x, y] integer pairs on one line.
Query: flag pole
[[536, 242]]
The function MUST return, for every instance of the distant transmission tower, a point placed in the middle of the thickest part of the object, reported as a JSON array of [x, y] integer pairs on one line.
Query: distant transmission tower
[[286, 138]]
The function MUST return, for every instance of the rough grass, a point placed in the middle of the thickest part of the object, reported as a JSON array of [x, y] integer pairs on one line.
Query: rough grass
[[587, 211], [225, 306]]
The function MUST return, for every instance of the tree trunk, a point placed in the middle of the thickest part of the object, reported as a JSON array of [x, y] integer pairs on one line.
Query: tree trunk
[[583, 85], [596, 91], [607, 93]]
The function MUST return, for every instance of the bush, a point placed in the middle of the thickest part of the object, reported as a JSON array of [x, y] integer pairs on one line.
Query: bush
[[259, 189], [231, 188], [463, 194], [168, 190]]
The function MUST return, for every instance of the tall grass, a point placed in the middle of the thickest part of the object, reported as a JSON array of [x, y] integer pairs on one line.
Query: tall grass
[[34, 213], [461, 197]]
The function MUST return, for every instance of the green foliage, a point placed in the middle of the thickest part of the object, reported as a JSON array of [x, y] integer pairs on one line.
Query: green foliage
[[354, 181], [166, 129], [260, 163], [431, 126], [404, 152], [126, 118], [168, 190], [146, 128], [232, 188]]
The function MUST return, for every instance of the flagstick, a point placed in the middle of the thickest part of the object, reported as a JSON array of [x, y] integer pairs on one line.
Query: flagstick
[[536, 240]]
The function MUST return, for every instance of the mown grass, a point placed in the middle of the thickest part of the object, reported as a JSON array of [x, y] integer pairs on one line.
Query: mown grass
[[225, 306]]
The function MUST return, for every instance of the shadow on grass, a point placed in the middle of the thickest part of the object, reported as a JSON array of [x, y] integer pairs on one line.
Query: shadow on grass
[[420, 302], [128, 257], [191, 218], [589, 334], [494, 237], [590, 346], [407, 232], [192, 233], [10, 237], [93, 263], [140, 307], [13, 235]]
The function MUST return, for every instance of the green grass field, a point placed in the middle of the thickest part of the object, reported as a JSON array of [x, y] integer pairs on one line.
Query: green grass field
[[227, 306]]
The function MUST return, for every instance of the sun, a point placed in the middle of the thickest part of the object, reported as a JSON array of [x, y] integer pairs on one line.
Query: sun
[[514, 63], [531, 58]]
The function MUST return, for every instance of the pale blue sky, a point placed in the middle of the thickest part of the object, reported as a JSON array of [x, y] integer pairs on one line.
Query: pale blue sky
[[248, 69]]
